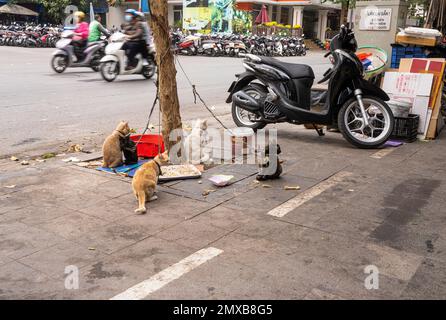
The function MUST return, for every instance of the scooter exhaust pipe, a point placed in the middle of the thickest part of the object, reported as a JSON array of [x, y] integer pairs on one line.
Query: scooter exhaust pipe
[[245, 101]]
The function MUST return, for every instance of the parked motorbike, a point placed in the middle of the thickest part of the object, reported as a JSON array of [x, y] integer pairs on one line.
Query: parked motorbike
[[64, 57], [271, 91], [236, 45], [113, 63], [28, 35]]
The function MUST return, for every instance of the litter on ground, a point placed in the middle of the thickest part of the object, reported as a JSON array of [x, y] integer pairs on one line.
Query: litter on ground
[[71, 159], [291, 188], [221, 180]]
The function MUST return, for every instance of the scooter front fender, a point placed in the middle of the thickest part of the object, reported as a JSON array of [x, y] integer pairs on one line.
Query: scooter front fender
[[370, 89], [243, 80], [109, 58], [60, 52]]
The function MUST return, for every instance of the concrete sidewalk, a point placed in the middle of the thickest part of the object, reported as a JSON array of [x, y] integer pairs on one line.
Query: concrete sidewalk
[[385, 212]]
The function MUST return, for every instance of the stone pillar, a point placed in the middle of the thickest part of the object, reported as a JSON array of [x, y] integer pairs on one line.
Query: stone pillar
[[115, 17], [270, 12], [389, 16], [322, 24], [279, 14], [170, 15], [298, 14]]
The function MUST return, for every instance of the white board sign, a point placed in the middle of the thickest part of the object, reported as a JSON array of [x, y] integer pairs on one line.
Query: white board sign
[[373, 18]]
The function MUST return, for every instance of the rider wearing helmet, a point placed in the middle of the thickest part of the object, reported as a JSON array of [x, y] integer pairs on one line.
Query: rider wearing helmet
[[148, 40], [134, 31], [80, 36]]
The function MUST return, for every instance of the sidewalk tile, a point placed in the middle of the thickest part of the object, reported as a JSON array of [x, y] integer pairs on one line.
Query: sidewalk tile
[[53, 261]]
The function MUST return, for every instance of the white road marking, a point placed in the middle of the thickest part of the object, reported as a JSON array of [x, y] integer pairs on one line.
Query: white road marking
[[309, 194], [382, 153], [159, 280]]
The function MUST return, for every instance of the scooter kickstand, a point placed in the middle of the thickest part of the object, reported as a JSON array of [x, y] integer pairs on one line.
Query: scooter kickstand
[[320, 131]]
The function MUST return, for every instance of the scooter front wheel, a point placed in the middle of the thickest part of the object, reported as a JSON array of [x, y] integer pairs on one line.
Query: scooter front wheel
[[149, 71], [110, 70], [59, 63], [363, 134]]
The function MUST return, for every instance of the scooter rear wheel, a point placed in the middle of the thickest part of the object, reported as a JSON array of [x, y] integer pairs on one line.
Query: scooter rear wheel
[[243, 118], [59, 63]]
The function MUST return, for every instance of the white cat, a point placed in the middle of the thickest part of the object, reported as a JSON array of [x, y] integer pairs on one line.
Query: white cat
[[196, 144]]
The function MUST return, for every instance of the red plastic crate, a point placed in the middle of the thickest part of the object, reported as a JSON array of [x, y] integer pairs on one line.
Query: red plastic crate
[[148, 146]]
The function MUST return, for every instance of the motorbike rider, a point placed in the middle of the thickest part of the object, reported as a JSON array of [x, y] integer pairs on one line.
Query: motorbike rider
[[96, 29], [80, 37], [148, 39], [135, 43]]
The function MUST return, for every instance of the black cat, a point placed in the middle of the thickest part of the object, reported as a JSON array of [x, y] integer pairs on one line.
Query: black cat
[[129, 149], [268, 171]]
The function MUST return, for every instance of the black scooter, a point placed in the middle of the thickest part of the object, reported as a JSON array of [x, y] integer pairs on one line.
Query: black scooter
[[271, 91]]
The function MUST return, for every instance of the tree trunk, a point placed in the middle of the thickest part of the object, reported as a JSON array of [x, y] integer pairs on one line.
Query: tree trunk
[[344, 12], [168, 94]]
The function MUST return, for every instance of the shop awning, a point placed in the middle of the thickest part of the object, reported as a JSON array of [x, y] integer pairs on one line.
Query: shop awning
[[17, 10]]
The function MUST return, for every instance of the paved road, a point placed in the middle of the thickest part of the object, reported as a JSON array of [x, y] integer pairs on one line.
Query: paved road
[[39, 107]]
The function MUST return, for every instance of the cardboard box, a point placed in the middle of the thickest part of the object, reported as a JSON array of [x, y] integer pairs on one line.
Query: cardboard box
[[429, 42], [413, 87], [408, 84]]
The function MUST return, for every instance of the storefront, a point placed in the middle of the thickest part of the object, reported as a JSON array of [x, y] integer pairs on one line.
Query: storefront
[[314, 16]]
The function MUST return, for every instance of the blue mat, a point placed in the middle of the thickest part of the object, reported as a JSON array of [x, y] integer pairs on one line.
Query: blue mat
[[130, 170]]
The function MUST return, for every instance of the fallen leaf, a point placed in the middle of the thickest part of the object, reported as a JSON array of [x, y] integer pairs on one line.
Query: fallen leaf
[[24, 163], [14, 158], [91, 249], [83, 164], [11, 186], [48, 155], [266, 186], [207, 192], [75, 148]]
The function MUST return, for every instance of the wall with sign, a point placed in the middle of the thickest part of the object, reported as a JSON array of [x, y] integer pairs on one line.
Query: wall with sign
[[374, 18], [208, 15], [377, 22]]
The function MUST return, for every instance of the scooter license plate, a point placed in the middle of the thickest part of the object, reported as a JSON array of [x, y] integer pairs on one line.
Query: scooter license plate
[[232, 86]]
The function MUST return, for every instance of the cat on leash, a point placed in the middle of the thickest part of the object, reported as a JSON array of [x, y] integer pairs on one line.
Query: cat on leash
[[196, 144], [146, 179], [111, 148]]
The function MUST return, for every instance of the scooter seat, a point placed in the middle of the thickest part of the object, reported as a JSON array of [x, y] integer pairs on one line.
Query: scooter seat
[[294, 70], [90, 44]]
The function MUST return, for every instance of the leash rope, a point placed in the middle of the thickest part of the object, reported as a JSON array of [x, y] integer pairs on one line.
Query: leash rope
[[197, 95]]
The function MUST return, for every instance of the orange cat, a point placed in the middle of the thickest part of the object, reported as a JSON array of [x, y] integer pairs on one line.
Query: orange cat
[[145, 181], [112, 147]]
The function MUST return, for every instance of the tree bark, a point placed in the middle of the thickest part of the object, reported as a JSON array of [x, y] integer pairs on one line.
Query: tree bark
[[168, 94], [344, 12]]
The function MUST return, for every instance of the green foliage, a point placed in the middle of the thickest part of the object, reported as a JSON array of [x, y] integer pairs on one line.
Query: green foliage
[[344, 3], [55, 9]]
